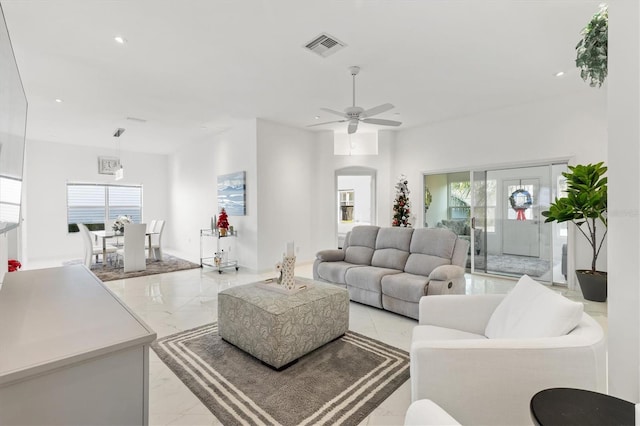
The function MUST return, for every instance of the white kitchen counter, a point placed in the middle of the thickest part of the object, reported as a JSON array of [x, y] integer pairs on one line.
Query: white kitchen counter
[[70, 351]]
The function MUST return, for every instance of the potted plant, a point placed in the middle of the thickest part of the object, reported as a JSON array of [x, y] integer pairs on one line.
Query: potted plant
[[592, 49], [586, 206]]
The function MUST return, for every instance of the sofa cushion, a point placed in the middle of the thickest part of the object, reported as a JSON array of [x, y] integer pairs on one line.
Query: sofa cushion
[[405, 286], [367, 277], [390, 258], [430, 248], [334, 272], [423, 264], [531, 310], [392, 248], [395, 237], [433, 241], [361, 244]]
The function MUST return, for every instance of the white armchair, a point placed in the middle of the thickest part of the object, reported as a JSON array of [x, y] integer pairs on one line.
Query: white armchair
[[425, 412], [480, 380]]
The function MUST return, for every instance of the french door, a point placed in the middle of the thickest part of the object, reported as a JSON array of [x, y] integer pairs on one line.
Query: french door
[[500, 215]]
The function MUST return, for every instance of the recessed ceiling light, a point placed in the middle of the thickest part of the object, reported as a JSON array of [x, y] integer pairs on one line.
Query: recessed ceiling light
[[120, 40], [559, 74], [317, 117], [58, 100]]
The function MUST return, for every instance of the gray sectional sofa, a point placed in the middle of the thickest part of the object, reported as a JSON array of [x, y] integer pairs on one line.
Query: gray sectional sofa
[[392, 268]]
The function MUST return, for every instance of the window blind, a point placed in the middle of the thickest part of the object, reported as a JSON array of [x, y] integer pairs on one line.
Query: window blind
[[94, 204]]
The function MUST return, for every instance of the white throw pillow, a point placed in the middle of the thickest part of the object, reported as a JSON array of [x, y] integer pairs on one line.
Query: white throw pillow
[[532, 310]]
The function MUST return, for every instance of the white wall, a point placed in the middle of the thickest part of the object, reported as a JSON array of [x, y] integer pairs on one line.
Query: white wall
[[624, 199], [572, 127], [324, 234], [193, 173], [49, 166], [285, 192], [437, 211]]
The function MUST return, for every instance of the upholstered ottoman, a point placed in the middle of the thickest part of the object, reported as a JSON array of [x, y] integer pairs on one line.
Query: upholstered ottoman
[[279, 328]]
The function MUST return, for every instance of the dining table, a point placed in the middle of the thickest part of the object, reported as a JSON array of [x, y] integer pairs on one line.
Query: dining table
[[105, 235]]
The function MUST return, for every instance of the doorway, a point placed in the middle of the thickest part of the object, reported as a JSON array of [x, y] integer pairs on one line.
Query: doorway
[[499, 212], [355, 199]]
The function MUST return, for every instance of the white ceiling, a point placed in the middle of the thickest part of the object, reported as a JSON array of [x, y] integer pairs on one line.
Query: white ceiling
[[192, 67]]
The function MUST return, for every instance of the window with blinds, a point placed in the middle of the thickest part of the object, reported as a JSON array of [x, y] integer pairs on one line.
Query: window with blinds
[[10, 199], [95, 204]]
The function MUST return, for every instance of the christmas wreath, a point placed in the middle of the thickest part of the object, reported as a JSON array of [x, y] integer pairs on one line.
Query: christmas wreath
[[520, 199]]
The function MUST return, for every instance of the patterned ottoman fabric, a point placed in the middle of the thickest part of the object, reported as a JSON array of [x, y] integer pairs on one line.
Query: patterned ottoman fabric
[[280, 328]]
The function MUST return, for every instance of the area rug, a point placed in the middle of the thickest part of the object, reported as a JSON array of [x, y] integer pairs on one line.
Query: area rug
[[167, 264], [512, 264], [341, 382]]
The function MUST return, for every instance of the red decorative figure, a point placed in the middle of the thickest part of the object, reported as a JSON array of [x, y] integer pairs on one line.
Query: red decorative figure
[[223, 222]]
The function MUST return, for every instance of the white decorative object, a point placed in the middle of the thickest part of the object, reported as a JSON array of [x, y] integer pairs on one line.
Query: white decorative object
[[288, 272], [289, 249], [108, 165]]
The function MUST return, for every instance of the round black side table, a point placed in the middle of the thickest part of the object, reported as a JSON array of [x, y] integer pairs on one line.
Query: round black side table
[[577, 407]]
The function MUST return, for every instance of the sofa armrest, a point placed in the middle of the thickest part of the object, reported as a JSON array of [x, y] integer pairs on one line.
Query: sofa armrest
[[332, 255], [467, 312], [446, 272]]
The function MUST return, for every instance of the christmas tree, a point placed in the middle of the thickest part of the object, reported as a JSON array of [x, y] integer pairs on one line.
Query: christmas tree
[[401, 204], [223, 223]]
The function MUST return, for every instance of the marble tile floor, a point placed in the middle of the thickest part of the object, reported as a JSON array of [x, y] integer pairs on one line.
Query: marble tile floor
[[181, 300]]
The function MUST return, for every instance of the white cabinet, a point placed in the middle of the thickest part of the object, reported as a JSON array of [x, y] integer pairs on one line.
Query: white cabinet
[[72, 353]]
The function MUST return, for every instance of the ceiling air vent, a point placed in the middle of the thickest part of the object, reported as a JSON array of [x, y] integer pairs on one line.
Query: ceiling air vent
[[325, 45], [139, 120]]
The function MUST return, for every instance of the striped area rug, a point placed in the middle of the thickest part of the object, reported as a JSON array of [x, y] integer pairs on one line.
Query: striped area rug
[[339, 383]]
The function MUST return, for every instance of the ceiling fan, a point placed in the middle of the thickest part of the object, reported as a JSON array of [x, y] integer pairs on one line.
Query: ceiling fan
[[355, 114]]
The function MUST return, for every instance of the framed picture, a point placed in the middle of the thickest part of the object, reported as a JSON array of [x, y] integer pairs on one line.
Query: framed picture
[[231, 193], [108, 165]]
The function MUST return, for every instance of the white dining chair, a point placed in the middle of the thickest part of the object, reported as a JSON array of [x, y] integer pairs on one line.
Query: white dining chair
[[151, 225], [156, 239], [133, 252], [90, 248]]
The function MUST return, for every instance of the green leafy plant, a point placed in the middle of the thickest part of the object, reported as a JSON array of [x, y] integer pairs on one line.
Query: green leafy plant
[[585, 204], [592, 49]]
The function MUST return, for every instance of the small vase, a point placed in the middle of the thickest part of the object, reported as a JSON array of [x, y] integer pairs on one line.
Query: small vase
[[288, 272], [223, 232]]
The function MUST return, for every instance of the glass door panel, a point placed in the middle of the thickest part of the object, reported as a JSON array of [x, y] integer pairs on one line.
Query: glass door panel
[[499, 212], [482, 219]]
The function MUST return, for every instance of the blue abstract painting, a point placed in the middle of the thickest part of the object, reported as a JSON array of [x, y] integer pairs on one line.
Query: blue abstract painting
[[231, 193]]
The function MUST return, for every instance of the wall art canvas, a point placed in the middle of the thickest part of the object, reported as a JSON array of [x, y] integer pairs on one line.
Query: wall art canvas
[[231, 193]]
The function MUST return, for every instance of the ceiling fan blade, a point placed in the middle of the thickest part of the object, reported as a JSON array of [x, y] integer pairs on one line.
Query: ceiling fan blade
[[353, 126], [381, 122], [341, 114], [376, 110], [327, 122]]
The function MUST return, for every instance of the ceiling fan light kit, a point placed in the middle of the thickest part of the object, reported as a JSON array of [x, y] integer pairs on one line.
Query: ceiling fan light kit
[[355, 114]]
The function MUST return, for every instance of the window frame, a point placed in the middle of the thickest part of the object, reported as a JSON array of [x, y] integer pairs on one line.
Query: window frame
[[73, 228]]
